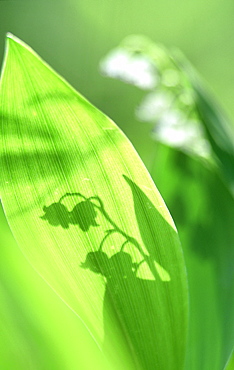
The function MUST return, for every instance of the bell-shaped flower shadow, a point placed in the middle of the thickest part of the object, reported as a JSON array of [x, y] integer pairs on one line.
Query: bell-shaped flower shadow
[[121, 265], [84, 214], [56, 214], [97, 262]]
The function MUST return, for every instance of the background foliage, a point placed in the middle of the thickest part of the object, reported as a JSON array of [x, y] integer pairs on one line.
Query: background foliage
[[73, 36]]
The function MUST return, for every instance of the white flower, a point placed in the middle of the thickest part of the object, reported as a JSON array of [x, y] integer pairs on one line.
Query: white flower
[[174, 129], [154, 105], [134, 69]]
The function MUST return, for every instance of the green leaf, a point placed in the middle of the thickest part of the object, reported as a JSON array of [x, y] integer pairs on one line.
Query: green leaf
[[203, 210], [68, 176]]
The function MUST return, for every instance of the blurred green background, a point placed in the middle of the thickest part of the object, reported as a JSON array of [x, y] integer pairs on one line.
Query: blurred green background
[[73, 36]]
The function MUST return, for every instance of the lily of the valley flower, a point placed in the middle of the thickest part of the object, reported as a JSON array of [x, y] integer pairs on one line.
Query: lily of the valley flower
[[130, 67]]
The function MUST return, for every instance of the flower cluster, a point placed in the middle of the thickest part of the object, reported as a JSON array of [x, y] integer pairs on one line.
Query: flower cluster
[[170, 103]]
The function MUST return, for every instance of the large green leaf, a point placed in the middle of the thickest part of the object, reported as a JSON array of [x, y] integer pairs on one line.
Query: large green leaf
[[66, 171]]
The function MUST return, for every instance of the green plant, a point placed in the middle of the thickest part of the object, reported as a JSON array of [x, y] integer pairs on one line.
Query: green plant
[[88, 218], [105, 242]]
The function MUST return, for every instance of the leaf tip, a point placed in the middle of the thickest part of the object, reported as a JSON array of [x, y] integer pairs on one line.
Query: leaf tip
[[10, 37]]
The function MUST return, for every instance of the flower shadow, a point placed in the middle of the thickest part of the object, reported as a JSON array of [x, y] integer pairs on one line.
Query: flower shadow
[[130, 303]]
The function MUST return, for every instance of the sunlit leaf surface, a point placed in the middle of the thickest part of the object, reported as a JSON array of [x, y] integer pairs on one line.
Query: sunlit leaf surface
[[88, 217]]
